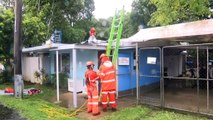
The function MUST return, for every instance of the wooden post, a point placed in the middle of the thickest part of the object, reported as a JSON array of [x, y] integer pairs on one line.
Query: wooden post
[[17, 49], [17, 37]]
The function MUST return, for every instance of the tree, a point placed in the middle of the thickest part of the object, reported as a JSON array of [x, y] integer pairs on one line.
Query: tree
[[89, 7], [73, 35], [178, 11], [34, 30], [6, 40], [6, 4], [129, 27], [139, 16], [60, 15], [103, 27], [141, 13]]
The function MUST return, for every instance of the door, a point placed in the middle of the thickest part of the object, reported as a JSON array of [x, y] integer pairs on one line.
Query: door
[[149, 75], [124, 73]]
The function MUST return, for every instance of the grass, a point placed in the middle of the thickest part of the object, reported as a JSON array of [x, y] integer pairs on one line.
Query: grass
[[146, 113], [36, 107]]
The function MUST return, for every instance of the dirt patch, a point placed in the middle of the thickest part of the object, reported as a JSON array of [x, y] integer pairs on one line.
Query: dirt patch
[[66, 100], [123, 102]]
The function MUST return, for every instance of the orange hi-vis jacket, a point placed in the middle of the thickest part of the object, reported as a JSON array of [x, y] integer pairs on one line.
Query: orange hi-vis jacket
[[92, 92], [108, 76], [92, 77]]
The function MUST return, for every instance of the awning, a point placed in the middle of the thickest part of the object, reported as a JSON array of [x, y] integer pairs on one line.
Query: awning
[[191, 32], [43, 48], [60, 46]]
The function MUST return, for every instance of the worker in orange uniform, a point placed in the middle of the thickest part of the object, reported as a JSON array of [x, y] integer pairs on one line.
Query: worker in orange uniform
[[108, 83], [92, 31], [92, 92]]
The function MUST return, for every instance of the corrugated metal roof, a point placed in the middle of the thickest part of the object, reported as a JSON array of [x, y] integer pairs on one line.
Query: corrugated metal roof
[[192, 32], [59, 46]]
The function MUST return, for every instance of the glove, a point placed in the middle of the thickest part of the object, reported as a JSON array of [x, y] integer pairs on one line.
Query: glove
[[87, 81], [98, 72]]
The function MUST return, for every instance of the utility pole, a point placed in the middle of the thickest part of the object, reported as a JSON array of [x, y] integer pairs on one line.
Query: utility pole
[[18, 82]]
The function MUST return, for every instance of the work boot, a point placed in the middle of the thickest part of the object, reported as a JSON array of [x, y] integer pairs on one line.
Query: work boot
[[99, 103], [104, 109], [96, 114], [114, 109]]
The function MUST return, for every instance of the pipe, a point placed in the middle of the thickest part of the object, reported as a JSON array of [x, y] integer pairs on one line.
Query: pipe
[[137, 75], [207, 51], [57, 76], [74, 57]]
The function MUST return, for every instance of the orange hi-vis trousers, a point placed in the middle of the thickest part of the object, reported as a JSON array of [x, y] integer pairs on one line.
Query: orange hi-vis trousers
[[111, 95], [92, 103]]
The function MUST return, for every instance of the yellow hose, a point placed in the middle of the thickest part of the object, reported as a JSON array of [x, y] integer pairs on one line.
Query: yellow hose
[[78, 110], [52, 111]]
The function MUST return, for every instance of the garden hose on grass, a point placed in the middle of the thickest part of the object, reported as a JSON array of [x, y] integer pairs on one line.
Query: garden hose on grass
[[52, 112], [78, 110]]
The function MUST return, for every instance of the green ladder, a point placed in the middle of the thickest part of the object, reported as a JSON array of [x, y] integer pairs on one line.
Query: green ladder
[[116, 32]]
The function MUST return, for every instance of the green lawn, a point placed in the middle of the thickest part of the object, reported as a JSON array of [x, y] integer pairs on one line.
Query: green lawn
[[146, 113], [37, 107]]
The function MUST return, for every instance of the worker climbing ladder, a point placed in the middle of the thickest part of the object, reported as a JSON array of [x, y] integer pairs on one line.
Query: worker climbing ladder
[[115, 35]]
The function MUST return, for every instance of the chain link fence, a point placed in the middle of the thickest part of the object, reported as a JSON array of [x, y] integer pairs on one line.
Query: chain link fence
[[187, 72], [150, 75]]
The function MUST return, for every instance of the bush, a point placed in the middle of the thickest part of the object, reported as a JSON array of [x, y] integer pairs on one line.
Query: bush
[[63, 80], [42, 76], [5, 76]]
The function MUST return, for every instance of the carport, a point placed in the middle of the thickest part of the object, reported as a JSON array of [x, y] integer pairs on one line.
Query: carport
[[164, 55]]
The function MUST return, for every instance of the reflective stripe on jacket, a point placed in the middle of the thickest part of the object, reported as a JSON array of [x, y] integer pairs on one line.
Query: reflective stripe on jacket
[[92, 77], [107, 75]]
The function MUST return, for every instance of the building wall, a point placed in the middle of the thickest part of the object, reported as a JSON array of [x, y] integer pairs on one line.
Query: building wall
[[82, 57], [126, 71], [149, 72], [29, 66], [52, 62], [46, 63]]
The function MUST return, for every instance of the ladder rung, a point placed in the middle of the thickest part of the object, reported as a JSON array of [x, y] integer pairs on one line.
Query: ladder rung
[[116, 26], [117, 19], [116, 31]]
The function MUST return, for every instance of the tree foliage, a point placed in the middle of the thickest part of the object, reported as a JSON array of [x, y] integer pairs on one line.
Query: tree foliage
[[141, 13], [34, 30], [40, 19], [6, 33], [6, 40], [138, 17], [50, 15], [177, 11], [129, 26], [103, 27], [7, 4]]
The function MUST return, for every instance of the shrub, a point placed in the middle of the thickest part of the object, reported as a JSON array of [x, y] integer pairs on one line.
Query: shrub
[[63, 80]]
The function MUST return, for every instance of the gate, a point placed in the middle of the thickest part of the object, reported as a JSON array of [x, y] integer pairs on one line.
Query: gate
[[126, 84], [188, 77], [150, 75]]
